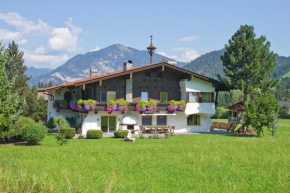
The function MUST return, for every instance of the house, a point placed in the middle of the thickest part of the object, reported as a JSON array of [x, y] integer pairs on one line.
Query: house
[[159, 82], [236, 113]]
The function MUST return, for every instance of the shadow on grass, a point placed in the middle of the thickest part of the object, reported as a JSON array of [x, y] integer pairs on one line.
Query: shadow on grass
[[238, 135]]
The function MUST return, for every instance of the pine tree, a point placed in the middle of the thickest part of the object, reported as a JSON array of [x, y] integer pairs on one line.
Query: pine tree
[[10, 102], [31, 103], [248, 62], [16, 70]]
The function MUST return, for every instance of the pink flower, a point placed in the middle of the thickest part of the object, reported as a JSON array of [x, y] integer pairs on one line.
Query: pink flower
[[137, 108], [109, 109], [170, 109]]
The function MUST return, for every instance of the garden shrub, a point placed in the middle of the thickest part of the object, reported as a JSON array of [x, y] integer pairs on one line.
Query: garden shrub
[[171, 134], [166, 135], [50, 124], [141, 136], [80, 137], [94, 134], [120, 133], [156, 136], [16, 129], [68, 132], [61, 139], [60, 122], [33, 133], [150, 137]]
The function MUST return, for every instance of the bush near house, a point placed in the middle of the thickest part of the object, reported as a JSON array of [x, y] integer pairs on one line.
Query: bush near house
[[94, 134], [68, 132], [16, 129], [120, 133], [33, 133]]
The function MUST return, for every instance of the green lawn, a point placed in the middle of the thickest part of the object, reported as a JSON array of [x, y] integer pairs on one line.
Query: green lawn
[[192, 163], [286, 75]]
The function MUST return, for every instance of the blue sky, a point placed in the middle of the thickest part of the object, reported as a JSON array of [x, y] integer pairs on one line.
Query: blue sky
[[51, 32]]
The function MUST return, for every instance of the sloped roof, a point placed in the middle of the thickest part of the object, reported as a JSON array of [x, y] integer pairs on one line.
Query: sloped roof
[[238, 106], [123, 72]]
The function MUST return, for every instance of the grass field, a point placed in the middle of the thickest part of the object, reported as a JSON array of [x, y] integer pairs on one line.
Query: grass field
[[191, 163], [286, 75]]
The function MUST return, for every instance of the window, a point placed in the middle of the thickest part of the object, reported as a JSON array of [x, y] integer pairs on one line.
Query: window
[[144, 96], [159, 75], [193, 120], [161, 120], [109, 95], [192, 97], [148, 75], [67, 96], [235, 114], [206, 97], [103, 96], [163, 97], [146, 120]]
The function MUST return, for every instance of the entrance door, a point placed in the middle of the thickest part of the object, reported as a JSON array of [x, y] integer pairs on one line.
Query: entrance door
[[108, 123]]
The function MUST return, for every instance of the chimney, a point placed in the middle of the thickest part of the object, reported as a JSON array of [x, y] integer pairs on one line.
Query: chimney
[[128, 65], [93, 73]]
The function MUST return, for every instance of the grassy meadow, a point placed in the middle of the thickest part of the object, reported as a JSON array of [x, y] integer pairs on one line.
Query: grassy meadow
[[190, 163]]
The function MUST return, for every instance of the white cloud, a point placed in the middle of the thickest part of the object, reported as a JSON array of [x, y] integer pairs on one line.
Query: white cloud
[[96, 49], [39, 50], [8, 36], [187, 56], [167, 55], [42, 59], [189, 38], [23, 41], [59, 39]]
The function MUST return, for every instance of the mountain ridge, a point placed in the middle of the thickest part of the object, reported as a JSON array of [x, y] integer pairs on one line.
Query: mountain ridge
[[106, 60]]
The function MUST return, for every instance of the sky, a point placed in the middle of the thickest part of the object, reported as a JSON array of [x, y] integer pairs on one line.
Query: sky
[[51, 32]]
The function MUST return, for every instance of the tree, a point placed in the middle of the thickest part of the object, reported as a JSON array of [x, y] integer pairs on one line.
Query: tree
[[273, 125], [259, 111], [36, 108], [248, 62], [16, 70], [10, 102], [284, 112]]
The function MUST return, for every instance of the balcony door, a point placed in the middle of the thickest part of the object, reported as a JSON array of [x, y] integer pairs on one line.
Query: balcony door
[[108, 124]]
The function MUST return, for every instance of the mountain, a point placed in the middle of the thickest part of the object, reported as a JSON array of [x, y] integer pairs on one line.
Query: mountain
[[34, 72], [105, 60], [210, 65]]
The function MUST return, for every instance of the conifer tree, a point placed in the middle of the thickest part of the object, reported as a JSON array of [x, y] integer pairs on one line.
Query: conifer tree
[[10, 103], [248, 62], [16, 70]]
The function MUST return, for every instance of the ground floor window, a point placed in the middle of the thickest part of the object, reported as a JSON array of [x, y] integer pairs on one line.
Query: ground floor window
[[161, 120], [193, 120], [146, 120]]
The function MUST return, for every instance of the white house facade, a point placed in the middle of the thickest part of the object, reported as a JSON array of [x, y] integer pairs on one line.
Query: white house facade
[[161, 83]]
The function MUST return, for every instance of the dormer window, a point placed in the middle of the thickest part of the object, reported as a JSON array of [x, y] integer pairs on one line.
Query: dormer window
[[148, 75]]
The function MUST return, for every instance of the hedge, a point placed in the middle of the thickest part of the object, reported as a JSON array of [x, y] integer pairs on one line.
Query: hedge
[[94, 134], [120, 133], [33, 133], [68, 132]]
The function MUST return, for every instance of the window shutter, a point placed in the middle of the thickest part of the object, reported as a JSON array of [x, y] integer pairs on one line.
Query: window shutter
[[187, 97]]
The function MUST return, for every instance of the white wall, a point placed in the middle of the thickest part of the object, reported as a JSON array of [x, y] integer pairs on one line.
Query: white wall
[[196, 85], [201, 108]]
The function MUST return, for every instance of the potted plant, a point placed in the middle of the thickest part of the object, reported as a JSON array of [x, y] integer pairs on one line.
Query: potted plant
[[50, 124], [79, 131]]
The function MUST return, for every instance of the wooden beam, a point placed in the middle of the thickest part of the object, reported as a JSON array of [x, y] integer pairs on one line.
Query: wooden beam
[[84, 87], [131, 75], [100, 82], [163, 68]]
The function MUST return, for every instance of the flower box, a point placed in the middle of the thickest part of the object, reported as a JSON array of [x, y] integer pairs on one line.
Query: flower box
[[176, 106], [146, 106], [118, 105]]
